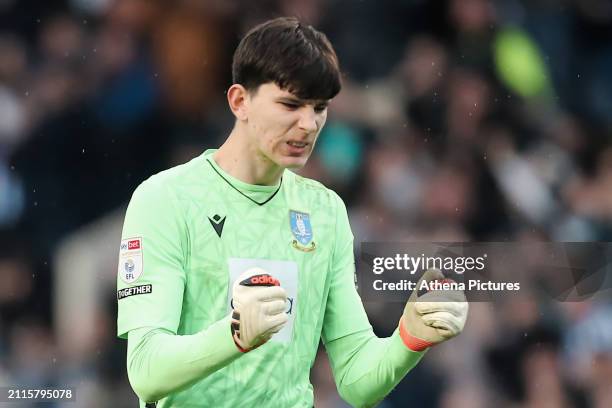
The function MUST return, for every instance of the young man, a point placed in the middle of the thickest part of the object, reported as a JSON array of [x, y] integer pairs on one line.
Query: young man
[[232, 267]]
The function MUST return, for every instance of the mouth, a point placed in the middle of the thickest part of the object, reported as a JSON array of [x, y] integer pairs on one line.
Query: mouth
[[296, 148], [298, 145]]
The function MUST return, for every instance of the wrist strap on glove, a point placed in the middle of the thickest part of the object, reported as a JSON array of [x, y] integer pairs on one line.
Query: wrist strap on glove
[[413, 343]]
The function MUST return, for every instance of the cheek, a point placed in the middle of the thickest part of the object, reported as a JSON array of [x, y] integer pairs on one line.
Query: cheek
[[259, 126], [321, 121], [271, 133], [275, 128]]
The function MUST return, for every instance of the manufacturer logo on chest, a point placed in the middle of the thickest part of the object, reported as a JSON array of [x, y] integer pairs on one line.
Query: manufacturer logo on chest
[[217, 223]]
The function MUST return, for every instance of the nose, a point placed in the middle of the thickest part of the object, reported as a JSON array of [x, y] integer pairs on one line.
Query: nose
[[308, 119]]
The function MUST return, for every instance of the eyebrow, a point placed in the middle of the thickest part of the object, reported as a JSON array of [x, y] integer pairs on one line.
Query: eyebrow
[[299, 101]]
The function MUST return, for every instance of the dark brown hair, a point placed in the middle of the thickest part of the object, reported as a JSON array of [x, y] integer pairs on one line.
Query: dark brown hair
[[296, 57]]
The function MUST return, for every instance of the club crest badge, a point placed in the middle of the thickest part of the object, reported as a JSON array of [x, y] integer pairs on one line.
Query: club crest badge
[[301, 230]]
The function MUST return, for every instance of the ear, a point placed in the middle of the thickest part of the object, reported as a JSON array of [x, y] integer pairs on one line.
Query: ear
[[237, 98]]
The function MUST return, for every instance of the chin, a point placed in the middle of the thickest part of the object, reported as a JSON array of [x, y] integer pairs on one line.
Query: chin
[[292, 163]]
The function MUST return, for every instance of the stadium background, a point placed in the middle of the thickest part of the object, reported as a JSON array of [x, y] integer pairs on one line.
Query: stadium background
[[459, 120]]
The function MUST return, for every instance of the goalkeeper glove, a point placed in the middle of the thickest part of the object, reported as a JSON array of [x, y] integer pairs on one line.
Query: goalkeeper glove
[[434, 317], [259, 305]]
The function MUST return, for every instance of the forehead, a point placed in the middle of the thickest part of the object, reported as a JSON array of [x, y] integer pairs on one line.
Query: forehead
[[273, 91]]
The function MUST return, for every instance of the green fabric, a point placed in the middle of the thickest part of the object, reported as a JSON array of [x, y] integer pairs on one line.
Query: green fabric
[[160, 362], [366, 368], [179, 348], [187, 265], [520, 64]]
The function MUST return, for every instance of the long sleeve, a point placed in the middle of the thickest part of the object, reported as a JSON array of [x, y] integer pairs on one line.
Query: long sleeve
[[367, 368], [160, 362], [151, 282]]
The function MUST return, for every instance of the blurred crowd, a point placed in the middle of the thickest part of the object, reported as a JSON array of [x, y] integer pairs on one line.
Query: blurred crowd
[[459, 120]]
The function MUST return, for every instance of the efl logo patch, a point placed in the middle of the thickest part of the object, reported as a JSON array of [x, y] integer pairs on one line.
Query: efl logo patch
[[130, 260]]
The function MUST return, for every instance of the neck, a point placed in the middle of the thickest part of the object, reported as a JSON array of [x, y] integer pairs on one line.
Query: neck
[[245, 162]]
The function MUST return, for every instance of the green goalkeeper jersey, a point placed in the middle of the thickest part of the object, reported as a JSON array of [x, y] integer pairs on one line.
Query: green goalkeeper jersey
[[191, 230]]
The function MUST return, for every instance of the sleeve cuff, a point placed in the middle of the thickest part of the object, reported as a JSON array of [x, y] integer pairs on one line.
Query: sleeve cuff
[[409, 358], [410, 341]]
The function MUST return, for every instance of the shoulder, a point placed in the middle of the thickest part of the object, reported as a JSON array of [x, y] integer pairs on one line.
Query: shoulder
[[172, 181], [181, 174], [316, 190]]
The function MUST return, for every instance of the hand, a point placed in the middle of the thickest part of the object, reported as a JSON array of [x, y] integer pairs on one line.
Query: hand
[[259, 305], [434, 317]]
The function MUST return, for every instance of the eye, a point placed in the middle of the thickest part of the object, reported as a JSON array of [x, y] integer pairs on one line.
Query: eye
[[320, 108], [289, 105]]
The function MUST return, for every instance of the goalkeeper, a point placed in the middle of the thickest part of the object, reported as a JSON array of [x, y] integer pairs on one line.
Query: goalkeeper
[[232, 267]]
